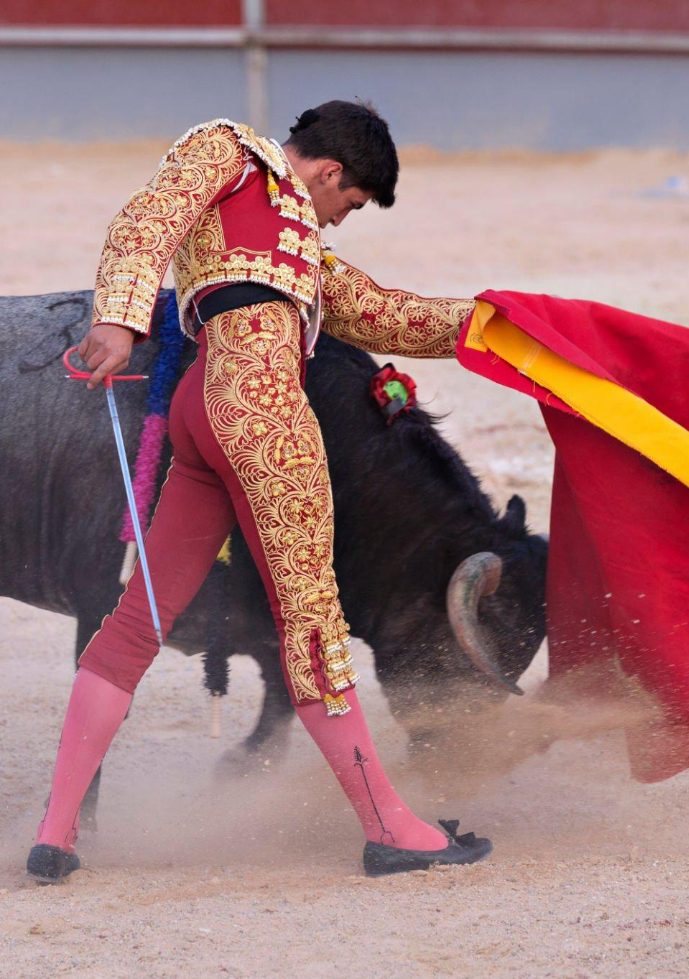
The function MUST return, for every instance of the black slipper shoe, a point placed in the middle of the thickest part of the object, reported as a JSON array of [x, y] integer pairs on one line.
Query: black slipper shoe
[[467, 848], [49, 864]]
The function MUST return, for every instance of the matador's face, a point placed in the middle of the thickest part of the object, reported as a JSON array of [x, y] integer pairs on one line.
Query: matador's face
[[331, 201]]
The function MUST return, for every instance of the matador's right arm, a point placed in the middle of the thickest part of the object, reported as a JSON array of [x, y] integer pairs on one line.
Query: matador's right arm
[[143, 237]]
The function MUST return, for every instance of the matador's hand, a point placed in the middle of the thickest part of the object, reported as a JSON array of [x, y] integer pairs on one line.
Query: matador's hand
[[106, 349]]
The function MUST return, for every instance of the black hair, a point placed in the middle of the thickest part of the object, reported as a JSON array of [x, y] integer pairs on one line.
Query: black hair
[[353, 134]]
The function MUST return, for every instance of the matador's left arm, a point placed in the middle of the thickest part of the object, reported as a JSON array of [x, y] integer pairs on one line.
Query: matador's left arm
[[388, 321]]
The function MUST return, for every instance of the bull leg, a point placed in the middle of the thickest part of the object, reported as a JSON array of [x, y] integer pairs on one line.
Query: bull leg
[[270, 733], [268, 740]]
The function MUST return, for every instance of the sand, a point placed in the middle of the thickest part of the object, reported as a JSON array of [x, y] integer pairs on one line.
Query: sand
[[200, 867]]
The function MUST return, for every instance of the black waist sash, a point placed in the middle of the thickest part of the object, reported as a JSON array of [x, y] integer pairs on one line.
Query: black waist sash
[[234, 297]]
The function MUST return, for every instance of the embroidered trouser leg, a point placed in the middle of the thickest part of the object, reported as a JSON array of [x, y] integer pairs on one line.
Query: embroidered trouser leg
[[267, 438], [246, 447]]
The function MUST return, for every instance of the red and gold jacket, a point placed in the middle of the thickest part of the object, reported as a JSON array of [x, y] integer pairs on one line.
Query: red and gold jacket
[[226, 206]]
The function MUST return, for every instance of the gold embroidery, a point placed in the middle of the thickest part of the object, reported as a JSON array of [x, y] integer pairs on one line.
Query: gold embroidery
[[338, 660], [237, 266], [131, 294], [202, 260], [265, 149], [308, 248], [144, 235], [288, 206], [388, 321], [300, 188], [262, 420], [205, 237], [243, 253]]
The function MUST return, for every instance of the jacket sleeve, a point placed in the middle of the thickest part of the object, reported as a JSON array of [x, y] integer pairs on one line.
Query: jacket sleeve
[[388, 321], [142, 238]]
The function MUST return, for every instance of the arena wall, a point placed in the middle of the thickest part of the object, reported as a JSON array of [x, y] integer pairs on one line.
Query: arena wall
[[449, 73]]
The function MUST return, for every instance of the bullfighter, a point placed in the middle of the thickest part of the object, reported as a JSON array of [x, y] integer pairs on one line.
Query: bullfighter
[[239, 216]]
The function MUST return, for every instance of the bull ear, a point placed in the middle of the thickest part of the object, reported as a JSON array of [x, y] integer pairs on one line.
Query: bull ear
[[514, 519]]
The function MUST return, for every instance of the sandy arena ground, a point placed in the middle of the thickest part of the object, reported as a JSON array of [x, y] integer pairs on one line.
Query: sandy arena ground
[[194, 872]]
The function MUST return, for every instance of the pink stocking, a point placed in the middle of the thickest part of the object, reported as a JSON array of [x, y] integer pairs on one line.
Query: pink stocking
[[96, 710], [347, 746]]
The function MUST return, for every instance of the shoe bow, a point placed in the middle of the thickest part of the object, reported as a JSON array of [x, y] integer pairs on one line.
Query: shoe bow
[[451, 826]]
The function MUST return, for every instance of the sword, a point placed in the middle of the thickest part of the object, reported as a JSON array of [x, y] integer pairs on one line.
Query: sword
[[77, 375]]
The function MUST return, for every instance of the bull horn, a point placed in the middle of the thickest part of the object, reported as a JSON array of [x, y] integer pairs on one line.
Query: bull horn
[[477, 576]]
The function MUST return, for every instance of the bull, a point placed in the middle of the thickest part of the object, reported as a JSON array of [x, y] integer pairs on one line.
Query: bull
[[445, 590]]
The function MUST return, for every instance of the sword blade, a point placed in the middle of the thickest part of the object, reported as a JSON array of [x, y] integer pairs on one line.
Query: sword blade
[[131, 502]]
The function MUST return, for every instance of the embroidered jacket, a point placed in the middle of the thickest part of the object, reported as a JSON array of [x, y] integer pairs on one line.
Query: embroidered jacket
[[225, 206]]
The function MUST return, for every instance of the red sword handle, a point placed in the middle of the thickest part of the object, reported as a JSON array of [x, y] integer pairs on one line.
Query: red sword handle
[[74, 374]]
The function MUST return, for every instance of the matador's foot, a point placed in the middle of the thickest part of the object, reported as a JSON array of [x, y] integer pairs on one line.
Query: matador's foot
[[467, 848], [49, 864]]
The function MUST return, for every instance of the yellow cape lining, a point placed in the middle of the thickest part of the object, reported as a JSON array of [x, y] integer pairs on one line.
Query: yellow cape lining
[[605, 404]]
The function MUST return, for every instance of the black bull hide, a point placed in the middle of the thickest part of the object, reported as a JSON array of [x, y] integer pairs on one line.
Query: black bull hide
[[407, 513]]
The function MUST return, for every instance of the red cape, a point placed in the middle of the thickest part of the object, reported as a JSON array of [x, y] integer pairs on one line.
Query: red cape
[[618, 581]]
